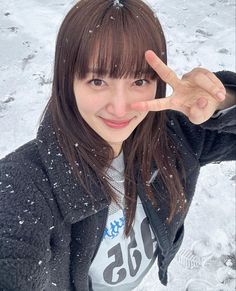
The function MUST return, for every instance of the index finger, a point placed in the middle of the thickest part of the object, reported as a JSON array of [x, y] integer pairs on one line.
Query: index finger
[[153, 105], [165, 73]]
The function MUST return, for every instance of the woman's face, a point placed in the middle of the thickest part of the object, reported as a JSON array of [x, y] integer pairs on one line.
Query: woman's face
[[104, 103]]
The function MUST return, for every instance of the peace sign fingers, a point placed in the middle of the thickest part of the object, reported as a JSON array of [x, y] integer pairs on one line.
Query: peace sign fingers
[[197, 95]]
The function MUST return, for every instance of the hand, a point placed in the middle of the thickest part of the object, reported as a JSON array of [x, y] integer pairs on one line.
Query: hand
[[197, 95]]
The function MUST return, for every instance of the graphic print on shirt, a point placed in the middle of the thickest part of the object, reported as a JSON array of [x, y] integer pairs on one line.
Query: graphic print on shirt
[[123, 260], [115, 227]]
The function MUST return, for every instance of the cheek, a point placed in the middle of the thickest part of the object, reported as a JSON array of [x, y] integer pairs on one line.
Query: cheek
[[148, 95], [87, 101], [150, 92], [153, 92], [89, 104]]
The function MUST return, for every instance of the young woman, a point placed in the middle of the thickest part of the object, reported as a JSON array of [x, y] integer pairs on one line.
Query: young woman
[[102, 192]]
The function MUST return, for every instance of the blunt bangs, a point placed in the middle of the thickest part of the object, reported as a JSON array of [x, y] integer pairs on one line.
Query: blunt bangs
[[114, 41]]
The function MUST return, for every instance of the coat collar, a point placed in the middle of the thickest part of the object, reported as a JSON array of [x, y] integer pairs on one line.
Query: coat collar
[[73, 201]]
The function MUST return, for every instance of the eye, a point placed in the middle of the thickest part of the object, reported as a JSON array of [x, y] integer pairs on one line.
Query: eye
[[141, 82], [96, 82]]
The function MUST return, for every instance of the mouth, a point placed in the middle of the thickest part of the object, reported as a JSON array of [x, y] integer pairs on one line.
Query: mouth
[[116, 123]]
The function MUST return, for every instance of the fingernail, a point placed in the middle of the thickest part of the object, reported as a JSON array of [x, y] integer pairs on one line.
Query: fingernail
[[220, 96]]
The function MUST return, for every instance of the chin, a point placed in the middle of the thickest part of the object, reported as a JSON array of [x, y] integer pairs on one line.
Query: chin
[[118, 140]]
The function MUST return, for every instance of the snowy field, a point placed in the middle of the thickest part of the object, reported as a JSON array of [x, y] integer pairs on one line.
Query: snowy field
[[200, 33]]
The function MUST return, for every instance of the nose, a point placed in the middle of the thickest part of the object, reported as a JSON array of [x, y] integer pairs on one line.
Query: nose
[[118, 105]]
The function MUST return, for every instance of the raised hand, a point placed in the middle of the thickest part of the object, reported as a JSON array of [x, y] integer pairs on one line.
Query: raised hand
[[198, 94]]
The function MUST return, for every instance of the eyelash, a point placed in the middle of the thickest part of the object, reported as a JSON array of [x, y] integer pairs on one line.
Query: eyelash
[[143, 80], [96, 79]]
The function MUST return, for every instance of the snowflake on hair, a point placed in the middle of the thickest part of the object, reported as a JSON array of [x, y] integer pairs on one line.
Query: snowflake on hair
[[118, 3]]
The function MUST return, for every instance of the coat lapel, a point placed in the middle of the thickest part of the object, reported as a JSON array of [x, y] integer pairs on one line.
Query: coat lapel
[[73, 200]]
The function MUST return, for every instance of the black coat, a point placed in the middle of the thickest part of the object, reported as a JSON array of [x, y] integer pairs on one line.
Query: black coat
[[45, 213]]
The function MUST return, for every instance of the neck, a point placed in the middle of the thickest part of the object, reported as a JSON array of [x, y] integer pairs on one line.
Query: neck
[[117, 147]]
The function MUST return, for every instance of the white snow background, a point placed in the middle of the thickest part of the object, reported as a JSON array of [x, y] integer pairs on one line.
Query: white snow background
[[198, 33]]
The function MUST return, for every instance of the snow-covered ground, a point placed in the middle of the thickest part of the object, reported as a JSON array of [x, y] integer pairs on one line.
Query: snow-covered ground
[[198, 33]]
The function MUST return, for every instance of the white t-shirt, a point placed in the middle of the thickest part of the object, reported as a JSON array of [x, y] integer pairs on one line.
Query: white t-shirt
[[121, 263]]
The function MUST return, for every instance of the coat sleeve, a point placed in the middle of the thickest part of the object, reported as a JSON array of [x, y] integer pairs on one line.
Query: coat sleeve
[[213, 140], [25, 221]]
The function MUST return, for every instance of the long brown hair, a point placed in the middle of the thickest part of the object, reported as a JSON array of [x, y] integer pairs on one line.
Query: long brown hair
[[112, 36]]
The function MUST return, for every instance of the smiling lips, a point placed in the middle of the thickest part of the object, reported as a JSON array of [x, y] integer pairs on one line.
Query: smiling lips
[[116, 123]]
